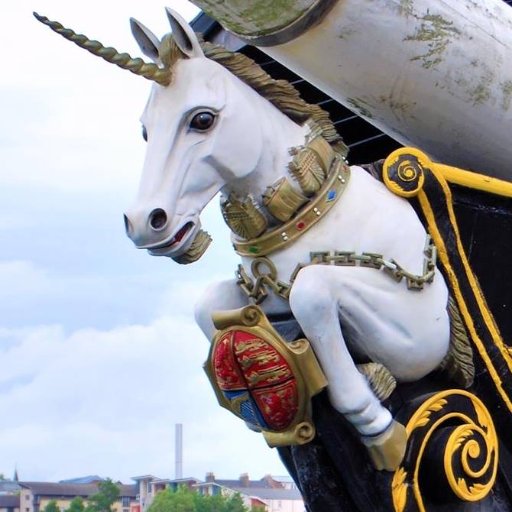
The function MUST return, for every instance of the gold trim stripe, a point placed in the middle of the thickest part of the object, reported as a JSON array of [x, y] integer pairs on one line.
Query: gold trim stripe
[[314, 211], [489, 321], [444, 257], [475, 181]]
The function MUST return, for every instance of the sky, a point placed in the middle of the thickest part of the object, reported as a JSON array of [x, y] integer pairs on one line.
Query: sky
[[99, 353]]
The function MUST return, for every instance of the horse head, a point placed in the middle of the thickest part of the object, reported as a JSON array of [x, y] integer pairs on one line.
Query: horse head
[[191, 125]]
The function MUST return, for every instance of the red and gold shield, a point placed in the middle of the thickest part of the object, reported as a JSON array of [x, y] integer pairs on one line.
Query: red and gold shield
[[263, 379]]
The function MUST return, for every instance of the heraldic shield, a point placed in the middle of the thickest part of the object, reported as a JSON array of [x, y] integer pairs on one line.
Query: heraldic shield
[[263, 379]]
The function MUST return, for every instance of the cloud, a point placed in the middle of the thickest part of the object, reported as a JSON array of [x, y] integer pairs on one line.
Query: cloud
[[107, 401], [99, 357]]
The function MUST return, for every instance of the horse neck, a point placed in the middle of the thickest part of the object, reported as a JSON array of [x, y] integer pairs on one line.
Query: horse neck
[[278, 135]]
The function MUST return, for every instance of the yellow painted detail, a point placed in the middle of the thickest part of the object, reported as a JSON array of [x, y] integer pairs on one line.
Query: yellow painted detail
[[407, 171], [482, 305], [445, 259], [399, 490], [475, 181], [460, 446]]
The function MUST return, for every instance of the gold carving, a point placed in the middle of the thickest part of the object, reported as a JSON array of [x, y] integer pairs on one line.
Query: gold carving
[[399, 490], [423, 416], [465, 445], [469, 454], [243, 217], [196, 249], [305, 219], [282, 200], [387, 449], [123, 60], [379, 379], [324, 152], [302, 433], [458, 362], [306, 168], [299, 356]]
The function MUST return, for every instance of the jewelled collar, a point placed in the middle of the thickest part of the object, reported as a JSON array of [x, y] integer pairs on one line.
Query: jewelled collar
[[322, 175], [305, 219]]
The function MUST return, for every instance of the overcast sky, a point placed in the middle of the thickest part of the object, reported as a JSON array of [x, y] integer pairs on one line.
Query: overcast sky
[[99, 354]]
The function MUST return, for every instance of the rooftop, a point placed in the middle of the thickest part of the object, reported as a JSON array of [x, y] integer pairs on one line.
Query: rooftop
[[73, 489], [9, 500]]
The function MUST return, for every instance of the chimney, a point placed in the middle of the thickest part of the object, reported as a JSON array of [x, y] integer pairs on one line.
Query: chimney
[[274, 484], [244, 480], [178, 472], [210, 477]]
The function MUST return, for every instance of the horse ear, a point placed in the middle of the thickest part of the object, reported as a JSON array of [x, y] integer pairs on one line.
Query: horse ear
[[146, 40], [185, 37]]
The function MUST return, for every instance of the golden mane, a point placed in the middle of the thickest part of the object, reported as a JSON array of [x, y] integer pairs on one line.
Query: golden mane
[[279, 92]]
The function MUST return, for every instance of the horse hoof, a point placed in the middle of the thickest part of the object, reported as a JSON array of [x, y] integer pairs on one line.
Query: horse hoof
[[387, 449]]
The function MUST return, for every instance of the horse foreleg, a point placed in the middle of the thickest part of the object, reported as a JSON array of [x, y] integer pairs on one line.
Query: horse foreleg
[[219, 296], [316, 310]]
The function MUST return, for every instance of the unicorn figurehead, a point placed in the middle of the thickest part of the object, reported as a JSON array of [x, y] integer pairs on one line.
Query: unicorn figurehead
[[216, 122]]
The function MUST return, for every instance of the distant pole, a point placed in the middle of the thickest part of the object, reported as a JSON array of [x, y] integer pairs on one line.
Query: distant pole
[[179, 451]]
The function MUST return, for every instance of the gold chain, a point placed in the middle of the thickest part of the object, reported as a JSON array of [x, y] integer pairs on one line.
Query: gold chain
[[266, 280]]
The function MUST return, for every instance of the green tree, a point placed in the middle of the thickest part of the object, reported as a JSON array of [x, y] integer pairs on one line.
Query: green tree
[[76, 505], [51, 506], [102, 501], [235, 504], [185, 500], [181, 500]]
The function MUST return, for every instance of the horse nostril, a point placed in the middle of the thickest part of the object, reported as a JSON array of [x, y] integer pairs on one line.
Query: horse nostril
[[127, 224], [157, 219]]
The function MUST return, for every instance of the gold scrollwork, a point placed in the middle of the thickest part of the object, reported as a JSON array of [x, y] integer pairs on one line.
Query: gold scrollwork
[[471, 459], [403, 172], [457, 428]]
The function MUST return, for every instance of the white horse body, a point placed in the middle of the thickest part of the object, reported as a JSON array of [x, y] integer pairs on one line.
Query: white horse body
[[343, 311], [357, 311]]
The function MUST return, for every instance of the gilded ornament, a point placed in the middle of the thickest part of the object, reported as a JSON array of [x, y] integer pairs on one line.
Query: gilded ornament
[[468, 452], [399, 490], [261, 378], [306, 168], [324, 152], [198, 247], [282, 200], [379, 378], [243, 217], [305, 219], [150, 71]]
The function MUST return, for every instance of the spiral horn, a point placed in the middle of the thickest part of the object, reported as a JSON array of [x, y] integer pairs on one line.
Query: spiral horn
[[138, 66]]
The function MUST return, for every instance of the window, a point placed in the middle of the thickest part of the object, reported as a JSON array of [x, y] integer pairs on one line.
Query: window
[[125, 500]]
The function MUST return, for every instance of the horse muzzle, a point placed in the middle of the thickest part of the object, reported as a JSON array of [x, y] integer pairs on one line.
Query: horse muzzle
[[155, 233]]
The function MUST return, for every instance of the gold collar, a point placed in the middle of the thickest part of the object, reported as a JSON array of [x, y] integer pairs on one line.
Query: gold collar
[[285, 234]]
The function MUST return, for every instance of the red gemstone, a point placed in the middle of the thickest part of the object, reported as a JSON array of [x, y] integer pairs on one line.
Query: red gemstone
[[300, 225]]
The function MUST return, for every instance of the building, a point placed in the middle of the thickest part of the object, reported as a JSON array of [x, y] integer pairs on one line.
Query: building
[[34, 496], [273, 493], [9, 503], [148, 486], [9, 494]]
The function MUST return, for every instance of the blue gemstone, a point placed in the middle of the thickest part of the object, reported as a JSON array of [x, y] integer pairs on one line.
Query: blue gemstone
[[331, 195]]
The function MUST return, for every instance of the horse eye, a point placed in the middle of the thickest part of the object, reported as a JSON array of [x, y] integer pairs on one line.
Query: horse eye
[[144, 133], [202, 121]]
